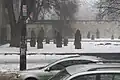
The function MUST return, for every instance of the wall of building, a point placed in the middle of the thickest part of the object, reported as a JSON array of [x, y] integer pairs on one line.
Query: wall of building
[[106, 28], [36, 27]]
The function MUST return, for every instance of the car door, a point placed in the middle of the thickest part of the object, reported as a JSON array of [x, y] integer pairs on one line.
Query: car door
[[45, 75], [59, 66], [55, 68], [50, 71]]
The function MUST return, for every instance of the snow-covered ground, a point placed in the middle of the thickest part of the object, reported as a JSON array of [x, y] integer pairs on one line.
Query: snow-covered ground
[[15, 67], [11, 62], [87, 47]]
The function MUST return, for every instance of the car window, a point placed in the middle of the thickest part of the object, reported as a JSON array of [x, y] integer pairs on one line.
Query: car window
[[98, 77], [107, 77], [57, 67], [87, 77], [64, 64], [63, 74], [110, 77], [74, 62], [117, 77]]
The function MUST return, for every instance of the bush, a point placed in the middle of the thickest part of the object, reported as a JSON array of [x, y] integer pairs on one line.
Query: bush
[[98, 34], [119, 37], [40, 39], [58, 40], [33, 39], [3, 39], [112, 37], [47, 40], [41, 34], [88, 35], [65, 41], [77, 41], [54, 41], [93, 37], [40, 45]]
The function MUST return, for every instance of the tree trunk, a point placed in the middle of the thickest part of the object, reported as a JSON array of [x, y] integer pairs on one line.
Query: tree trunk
[[3, 32], [15, 28], [34, 12], [15, 35]]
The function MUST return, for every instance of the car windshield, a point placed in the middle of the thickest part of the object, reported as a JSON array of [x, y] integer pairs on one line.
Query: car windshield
[[62, 75], [51, 64]]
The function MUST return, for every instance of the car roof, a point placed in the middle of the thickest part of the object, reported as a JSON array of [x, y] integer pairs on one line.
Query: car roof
[[110, 71], [90, 67], [84, 57]]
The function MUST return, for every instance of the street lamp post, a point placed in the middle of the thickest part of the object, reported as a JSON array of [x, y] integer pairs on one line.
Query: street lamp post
[[23, 43]]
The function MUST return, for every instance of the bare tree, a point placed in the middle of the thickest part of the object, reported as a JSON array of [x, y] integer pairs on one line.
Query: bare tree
[[65, 11], [16, 24], [109, 9], [62, 8], [3, 23]]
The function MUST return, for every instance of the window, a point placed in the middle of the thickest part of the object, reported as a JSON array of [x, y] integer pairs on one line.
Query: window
[[63, 74], [107, 76], [117, 77], [110, 76], [64, 64], [86, 77], [57, 67], [98, 77], [74, 62]]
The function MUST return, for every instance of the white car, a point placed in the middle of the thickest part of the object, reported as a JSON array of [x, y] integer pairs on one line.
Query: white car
[[89, 72], [44, 73]]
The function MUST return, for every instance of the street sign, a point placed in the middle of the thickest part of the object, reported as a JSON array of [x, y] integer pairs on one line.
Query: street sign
[[24, 8]]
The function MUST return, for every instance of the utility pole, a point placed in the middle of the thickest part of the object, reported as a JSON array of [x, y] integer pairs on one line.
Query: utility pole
[[23, 43]]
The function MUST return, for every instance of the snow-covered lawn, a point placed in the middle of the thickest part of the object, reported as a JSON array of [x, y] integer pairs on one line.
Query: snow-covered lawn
[[87, 47], [11, 62], [15, 67]]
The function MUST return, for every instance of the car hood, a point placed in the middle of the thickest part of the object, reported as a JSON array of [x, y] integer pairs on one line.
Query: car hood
[[36, 68], [32, 70]]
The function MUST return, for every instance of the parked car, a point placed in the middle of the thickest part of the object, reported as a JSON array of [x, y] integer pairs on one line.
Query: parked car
[[89, 72], [43, 73]]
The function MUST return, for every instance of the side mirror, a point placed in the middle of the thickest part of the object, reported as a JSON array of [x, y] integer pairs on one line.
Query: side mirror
[[48, 69]]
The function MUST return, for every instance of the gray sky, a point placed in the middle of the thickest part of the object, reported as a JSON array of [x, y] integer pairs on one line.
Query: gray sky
[[87, 10]]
